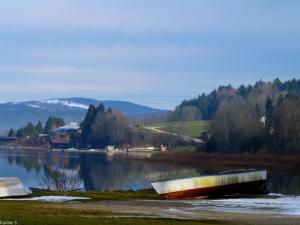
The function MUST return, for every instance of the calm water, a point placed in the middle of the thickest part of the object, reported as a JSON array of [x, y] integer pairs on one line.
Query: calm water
[[100, 172]]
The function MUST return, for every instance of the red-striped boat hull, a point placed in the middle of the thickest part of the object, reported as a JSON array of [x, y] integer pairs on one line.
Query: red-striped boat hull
[[256, 187], [245, 182]]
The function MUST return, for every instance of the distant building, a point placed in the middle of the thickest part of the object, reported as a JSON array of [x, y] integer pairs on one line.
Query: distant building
[[7, 140], [60, 137], [63, 142]]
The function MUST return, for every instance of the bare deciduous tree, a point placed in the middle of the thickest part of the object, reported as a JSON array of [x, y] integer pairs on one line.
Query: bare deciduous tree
[[61, 180], [287, 130], [236, 128]]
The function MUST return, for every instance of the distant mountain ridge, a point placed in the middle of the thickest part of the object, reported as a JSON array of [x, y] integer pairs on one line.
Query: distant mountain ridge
[[17, 114]]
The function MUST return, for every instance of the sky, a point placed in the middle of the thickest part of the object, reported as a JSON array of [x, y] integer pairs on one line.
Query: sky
[[154, 52]]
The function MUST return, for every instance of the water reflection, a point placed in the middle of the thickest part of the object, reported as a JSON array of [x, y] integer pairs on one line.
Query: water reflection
[[102, 172]]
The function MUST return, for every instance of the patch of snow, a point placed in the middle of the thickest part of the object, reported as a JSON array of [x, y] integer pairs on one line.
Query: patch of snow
[[34, 106], [51, 101], [69, 126], [74, 105], [65, 103], [50, 198], [270, 204]]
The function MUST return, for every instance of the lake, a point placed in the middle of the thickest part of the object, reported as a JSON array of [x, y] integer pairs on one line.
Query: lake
[[104, 172]]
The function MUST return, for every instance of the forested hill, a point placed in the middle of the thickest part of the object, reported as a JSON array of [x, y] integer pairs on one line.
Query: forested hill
[[206, 105], [260, 117]]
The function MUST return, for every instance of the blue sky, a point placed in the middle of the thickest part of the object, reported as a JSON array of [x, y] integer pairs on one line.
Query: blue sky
[[154, 52]]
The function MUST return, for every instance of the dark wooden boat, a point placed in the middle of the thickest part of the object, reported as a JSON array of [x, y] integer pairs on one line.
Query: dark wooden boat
[[224, 183]]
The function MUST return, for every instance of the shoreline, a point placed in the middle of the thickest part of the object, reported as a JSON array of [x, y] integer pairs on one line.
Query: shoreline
[[23, 148], [131, 150], [141, 211], [201, 160], [181, 210], [268, 161]]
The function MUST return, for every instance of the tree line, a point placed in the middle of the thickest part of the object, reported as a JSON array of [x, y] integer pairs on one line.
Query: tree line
[[260, 117], [265, 118], [99, 128], [241, 127], [205, 106], [102, 127], [34, 129]]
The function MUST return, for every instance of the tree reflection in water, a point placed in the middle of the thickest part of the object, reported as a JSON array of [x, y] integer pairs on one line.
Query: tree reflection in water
[[57, 179], [100, 172]]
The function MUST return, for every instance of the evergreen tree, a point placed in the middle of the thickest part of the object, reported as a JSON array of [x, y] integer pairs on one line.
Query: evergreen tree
[[101, 108], [110, 128], [49, 125], [58, 122], [39, 128], [20, 133], [53, 123], [29, 129], [242, 91], [269, 115], [109, 110], [11, 133], [87, 124]]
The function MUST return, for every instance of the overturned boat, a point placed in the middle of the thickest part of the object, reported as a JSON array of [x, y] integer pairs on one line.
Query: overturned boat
[[11, 187], [224, 183]]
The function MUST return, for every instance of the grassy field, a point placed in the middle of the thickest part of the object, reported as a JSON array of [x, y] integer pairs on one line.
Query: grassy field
[[39, 213], [189, 128], [91, 211], [102, 210]]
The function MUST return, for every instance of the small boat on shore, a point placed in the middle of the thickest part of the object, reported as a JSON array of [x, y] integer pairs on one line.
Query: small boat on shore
[[11, 187], [224, 183]]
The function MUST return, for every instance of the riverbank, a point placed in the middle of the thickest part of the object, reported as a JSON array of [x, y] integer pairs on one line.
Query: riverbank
[[268, 161]]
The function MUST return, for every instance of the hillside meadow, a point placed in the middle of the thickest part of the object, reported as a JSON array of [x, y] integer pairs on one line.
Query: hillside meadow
[[188, 128]]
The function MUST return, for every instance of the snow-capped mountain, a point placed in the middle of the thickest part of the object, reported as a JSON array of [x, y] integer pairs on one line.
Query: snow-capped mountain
[[17, 114]]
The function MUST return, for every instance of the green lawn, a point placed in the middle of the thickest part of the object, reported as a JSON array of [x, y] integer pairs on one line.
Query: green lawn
[[189, 128]]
